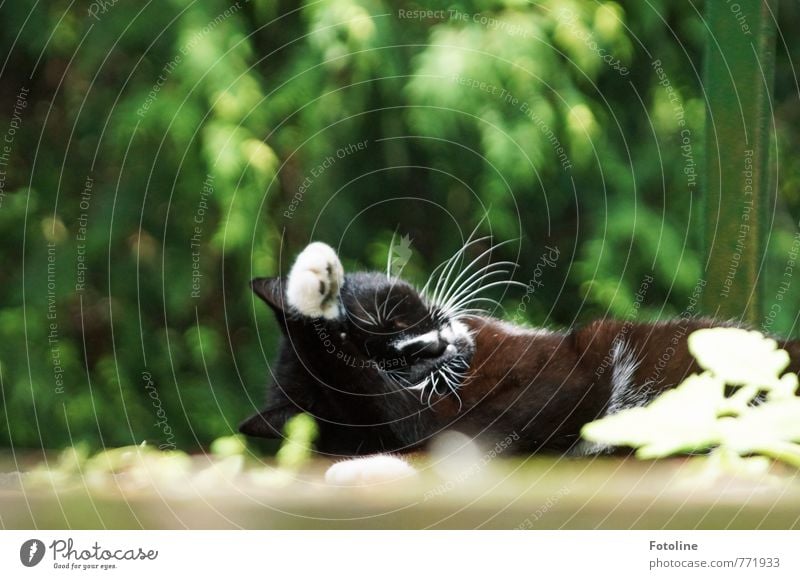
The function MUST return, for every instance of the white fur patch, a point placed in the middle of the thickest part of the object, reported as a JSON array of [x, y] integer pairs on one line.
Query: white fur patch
[[623, 366], [369, 470], [428, 338], [314, 282], [457, 331], [452, 333], [587, 448], [515, 330]]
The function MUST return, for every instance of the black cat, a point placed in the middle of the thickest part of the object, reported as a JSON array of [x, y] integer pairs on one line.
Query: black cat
[[384, 367]]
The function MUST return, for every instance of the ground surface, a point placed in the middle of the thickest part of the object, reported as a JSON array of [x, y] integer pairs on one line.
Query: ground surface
[[202, 492]]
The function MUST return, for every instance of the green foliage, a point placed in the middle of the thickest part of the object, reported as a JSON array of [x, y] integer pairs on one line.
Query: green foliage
[[229, 446], [170, 151], [144, 468], [698, 415]]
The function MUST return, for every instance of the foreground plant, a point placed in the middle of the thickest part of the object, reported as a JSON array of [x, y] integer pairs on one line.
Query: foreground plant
[[717, 410], [144, 466]]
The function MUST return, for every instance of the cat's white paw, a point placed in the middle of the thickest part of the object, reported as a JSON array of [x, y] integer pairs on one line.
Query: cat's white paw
[[369, 470], [314, 282]]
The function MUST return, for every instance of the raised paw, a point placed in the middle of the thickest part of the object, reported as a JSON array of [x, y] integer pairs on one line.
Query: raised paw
[[314, 282]]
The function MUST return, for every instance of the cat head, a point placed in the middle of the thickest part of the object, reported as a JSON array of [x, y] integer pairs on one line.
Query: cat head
[[362, 342]]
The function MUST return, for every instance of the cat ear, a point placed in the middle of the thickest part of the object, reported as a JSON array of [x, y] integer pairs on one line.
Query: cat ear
[[269, 422], [269, 289]]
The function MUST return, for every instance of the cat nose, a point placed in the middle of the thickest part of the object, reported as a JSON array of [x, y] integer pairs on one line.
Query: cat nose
[[432, 349]]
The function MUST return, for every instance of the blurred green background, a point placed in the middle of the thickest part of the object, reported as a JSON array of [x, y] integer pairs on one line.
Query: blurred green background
[[163, 153]]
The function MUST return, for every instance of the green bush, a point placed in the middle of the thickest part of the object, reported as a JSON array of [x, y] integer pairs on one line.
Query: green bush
[[168, 152]]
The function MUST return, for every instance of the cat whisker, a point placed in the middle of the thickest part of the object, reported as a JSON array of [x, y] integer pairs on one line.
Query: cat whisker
[[444, 277], [451, 375], [467, 313], [433, 390], [450, 262], [400, 384], [421, 387], [452, 379], [382, 310], [490, 303], [478, 276], [360, 319], [379, 321], [389, 256], [388, 296], [458, 307], [466, 269], [476, 273], [467, 283], [441, 292], [389, 315], [367, 320], [470, 297], [457, 313], [475, 283], [436, 274]]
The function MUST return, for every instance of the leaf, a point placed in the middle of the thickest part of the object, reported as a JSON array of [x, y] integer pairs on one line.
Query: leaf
[[739, 357], [301, 431], [696, 415], [761, 426], [677, 421], [229, 446]]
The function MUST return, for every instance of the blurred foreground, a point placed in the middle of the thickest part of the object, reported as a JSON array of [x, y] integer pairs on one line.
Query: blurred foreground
[[153, 490]]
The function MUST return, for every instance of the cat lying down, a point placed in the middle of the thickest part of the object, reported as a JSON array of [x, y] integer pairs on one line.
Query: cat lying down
[[384, 367]]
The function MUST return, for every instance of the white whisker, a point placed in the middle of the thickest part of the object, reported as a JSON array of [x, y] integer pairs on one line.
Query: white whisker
[[469, 297], [389, 315], [443, 296], [379, 321], [360, 319], [457, 309], [444, 277], [477, 276], [471, 240], [389, 256], [472, 285], [465, 270], [467, 243], [435, 271]]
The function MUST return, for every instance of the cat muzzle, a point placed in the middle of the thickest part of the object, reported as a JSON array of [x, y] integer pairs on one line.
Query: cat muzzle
[[433, 349]]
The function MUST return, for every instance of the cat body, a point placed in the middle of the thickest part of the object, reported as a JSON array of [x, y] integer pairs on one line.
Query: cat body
[[384, 367]]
